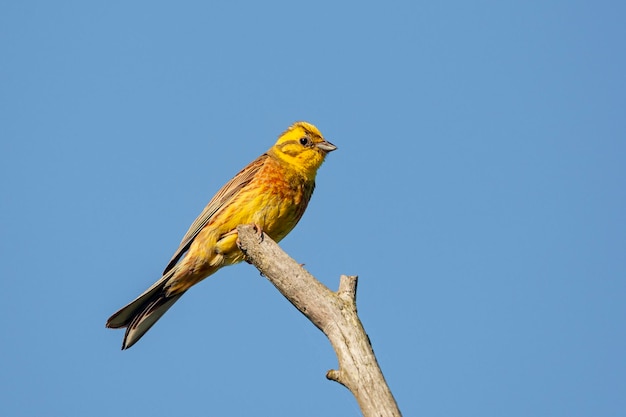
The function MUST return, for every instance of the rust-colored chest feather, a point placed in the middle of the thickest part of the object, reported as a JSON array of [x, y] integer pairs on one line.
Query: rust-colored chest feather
[[281, 198]]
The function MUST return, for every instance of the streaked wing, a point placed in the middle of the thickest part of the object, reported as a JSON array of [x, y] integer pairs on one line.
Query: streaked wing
[[223, 196]]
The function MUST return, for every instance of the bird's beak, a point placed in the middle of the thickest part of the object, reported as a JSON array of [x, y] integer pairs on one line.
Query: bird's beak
[[326, 146]]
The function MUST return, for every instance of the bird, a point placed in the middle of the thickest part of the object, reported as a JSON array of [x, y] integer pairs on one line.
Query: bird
[[272, 193]]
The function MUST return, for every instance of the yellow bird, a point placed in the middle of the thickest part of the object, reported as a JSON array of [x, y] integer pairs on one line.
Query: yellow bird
[[272, 192]]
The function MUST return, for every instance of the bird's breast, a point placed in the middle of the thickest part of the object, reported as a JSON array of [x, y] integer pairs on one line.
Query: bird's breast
[[281, 202]]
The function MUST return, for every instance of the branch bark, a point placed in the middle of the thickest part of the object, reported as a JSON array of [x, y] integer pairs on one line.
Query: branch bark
[[334, 313]]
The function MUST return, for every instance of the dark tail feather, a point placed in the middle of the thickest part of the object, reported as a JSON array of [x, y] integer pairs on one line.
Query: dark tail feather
[[141, 314], [143, 321]]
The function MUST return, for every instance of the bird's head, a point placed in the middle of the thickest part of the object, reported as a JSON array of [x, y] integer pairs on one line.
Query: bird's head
[[302, 146]]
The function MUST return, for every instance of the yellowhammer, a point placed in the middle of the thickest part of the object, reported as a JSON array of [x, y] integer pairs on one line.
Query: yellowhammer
[[272, 192]]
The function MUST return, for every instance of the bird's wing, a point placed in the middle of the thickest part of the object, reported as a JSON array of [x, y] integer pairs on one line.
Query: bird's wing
[[222, 198]]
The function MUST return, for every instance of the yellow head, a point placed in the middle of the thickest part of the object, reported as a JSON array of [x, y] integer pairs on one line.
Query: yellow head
[[303, 147]]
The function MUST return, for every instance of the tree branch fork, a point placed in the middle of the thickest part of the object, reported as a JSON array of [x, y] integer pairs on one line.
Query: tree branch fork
[[334, 313]]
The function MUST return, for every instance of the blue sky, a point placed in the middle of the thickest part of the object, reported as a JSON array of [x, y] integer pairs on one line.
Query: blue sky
[[478, 191]]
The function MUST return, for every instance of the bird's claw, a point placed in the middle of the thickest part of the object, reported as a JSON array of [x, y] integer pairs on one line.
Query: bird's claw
[[259, 231]]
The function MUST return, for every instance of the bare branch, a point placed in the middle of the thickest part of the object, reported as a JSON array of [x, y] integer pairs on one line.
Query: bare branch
[[333, 313]]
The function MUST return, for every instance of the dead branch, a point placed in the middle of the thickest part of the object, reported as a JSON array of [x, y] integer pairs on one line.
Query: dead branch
[[334, 313]]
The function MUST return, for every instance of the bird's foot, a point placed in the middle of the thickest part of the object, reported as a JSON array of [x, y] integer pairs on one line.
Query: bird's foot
[[259, 231]]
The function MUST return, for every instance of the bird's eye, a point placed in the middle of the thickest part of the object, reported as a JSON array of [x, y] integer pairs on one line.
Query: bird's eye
[[304, 141]]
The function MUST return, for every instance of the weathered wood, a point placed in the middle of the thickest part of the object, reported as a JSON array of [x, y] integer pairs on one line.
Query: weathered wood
[[334, 313]]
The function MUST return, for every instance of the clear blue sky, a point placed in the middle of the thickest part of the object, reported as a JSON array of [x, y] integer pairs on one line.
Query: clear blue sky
[[479, 191]]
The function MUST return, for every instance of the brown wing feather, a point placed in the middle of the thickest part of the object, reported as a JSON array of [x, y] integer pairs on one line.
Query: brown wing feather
[[223, 196]]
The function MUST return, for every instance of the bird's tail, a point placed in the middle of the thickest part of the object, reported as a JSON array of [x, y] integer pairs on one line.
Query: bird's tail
[[141, 314]]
